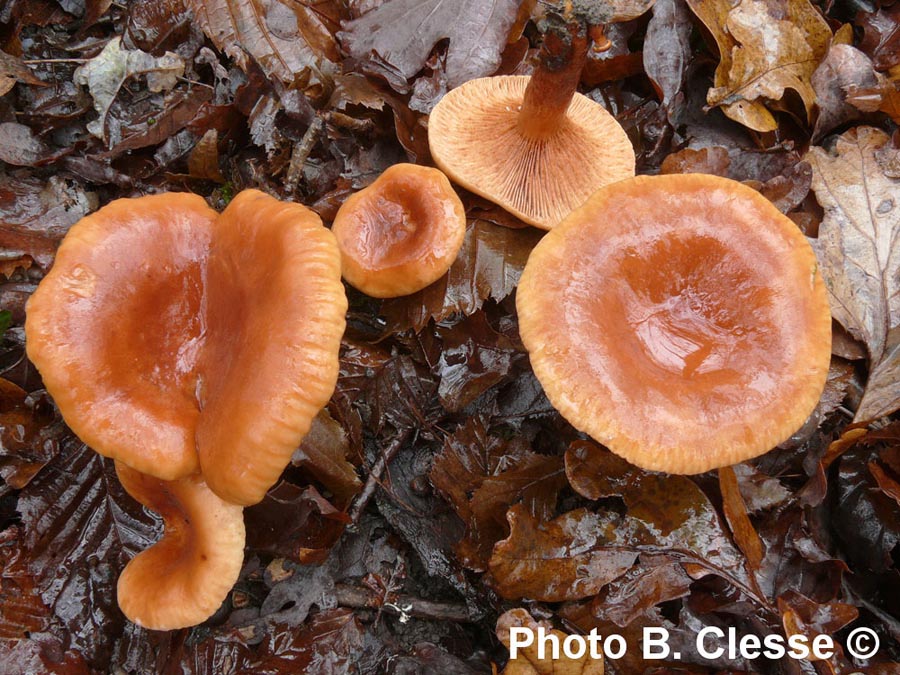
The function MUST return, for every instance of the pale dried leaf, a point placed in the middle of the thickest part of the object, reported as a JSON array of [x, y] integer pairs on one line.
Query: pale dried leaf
[[844, 68], [528, 661], [859, 253], [598, 12], [397, 37], [667, 48], [105, 74], [765, 48]]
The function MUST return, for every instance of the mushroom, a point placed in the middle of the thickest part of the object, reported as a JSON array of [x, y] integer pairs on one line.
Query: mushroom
[[680, 320], [115, 328], [275, 317], [183, 578], [174, 339], [532, 145], [401, 233]]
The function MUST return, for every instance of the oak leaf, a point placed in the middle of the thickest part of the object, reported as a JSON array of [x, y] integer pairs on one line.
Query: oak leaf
[[765, 48], [859, 254]]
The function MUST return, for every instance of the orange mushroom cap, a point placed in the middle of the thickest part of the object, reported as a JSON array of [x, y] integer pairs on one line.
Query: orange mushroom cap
[[401, 233], [678, 319], [114, 328], [276, 315], [183, 578], [173, 338], [477, 138]]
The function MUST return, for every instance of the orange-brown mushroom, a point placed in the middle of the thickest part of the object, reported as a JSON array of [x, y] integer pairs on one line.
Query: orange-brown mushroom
[[531, 145], [401, 233], [175, 339], [183, 578], [115, 328], [678, 319], [275, 317]]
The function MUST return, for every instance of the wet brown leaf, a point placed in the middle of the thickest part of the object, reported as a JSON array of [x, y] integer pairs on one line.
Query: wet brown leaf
[[752, 71], [489, 265], [736, 513], [482, 475], [396, 38], [570, 557], [859, 256], [12, 70], [21, 609], [31, 431], [287, 39], [203, 161], [881, 39], [324, 452], [20, 147]]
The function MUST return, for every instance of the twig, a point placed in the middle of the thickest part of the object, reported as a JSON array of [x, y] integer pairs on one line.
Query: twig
[[402, 605], [300, 154], [375, 473]]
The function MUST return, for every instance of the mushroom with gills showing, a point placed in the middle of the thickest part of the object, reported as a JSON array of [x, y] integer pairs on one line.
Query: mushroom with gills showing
[[680, 320], [174, 339], [183, 578], [401, 233], [532, 145]]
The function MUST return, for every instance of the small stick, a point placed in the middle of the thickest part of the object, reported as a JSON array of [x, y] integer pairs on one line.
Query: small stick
[[402, 606], [300, 154], [375, 473]]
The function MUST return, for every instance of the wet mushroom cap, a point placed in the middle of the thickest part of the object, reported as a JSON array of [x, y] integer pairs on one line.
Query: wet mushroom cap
[[114, 329], [275, 317], [475, 138], [184, 578], [680, 320], [401, 233]]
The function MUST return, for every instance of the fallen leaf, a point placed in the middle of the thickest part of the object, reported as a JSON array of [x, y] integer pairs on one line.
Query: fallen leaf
[[844, 67], [859, 255], [752, 71], [105, 74], [667, 48], [736, 513], [881, 36], [395, 39], [530, 662], [489, 265], [482, 475], [21, 610], [286, 39], [20, 147], [570, 557], [203, 161], [12, 70], [802, 616], [323, 452]]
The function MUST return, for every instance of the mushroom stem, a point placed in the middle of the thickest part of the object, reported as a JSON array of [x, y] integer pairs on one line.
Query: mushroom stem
[[554, 83]]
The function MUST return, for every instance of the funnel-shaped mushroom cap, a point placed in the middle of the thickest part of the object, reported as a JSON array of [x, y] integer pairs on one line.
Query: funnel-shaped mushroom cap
[[276, 314], [401, 233], [114, 329], [680, 320], [475, 137], [183, 578]]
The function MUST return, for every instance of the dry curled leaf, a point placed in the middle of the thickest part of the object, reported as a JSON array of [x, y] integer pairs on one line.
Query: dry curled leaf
[[844, 70], [396, 38], [667, 48], [754, 70], [859, 254], [105, 74]]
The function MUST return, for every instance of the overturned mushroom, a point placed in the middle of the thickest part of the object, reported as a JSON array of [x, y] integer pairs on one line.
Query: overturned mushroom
[[165, 332], [182, 579], [531, 145], [401, 233], [680, 320]]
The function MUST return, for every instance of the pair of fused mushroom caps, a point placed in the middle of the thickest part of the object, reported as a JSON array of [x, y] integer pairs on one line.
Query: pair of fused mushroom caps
[[195, 349]]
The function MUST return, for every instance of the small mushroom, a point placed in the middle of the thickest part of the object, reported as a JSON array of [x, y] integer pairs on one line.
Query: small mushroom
[[183, 578], [115, 328], [531, 144], [275, 317], [401, 233], [678, 319]]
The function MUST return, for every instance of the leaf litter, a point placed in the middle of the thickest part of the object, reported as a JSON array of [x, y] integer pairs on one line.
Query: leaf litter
[[440, 496]]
